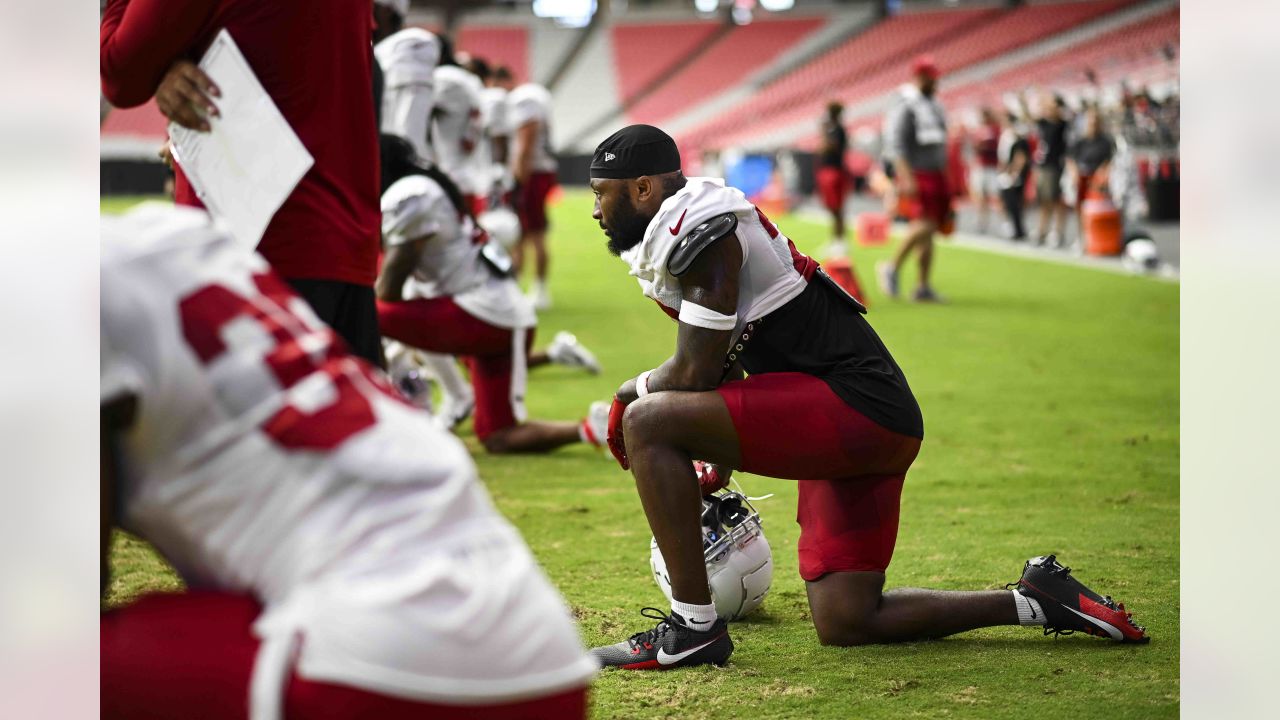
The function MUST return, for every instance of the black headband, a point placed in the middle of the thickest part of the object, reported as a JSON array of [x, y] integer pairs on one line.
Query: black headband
[[633, 151]]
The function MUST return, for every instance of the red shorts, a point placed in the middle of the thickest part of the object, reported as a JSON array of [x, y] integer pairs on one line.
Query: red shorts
[[439, 325], [531, 201], [191, 656], [793, 426], [833, 186], [932, 200]]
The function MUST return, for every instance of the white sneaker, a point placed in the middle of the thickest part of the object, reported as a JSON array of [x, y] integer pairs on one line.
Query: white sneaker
[[595, 426], [453, 411], [566, 350]]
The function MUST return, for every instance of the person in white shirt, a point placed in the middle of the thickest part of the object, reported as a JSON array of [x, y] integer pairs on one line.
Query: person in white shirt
[[490, 170], [534, 169], [408, 58], [446, 287], [456, 129], [342, 560]]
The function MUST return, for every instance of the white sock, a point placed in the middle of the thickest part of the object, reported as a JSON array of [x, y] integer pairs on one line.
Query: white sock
[[697, 617], [582, 432], [445, 370], [1029, 612]]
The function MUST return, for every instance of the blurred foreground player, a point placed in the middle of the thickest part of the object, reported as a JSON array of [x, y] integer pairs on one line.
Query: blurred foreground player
[[916, 143], [823, 403], [342, 558], [446, 287]]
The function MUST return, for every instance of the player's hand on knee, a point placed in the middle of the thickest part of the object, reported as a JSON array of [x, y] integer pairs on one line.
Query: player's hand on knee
[[185, 96], [711, 477], [614, 434]]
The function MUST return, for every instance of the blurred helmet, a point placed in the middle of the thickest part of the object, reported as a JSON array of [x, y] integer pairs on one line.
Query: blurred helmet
[[739, 561], [502, 225], [1141, 255]]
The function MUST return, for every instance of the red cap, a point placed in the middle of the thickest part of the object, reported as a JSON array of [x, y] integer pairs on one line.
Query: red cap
[[924, 65]]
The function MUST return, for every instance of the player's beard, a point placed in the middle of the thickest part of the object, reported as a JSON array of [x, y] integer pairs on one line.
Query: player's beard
[[626, 228]]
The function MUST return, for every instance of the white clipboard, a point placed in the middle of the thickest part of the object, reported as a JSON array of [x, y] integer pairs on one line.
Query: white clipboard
[[250, 161]]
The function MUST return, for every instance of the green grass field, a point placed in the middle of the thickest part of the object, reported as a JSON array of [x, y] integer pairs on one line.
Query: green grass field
[[1050, 398]]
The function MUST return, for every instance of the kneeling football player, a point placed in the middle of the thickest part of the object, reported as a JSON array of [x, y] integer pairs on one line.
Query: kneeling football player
[[342, 559], [824, 403], [444, 288]]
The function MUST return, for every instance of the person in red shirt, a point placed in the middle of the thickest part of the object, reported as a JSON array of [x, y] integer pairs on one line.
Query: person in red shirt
[[324, 239], [983, 185]]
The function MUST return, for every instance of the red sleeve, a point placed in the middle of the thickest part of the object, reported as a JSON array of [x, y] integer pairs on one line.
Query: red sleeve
[[140, 39]]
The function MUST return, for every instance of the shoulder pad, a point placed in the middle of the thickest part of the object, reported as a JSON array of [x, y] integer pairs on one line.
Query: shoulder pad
[[685, 251]]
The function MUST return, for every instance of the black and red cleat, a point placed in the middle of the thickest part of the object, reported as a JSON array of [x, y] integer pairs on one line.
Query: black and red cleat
[[669, 645], [1069, 606]]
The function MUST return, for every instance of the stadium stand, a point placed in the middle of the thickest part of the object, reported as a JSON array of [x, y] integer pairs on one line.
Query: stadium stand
[[135, 133], [730, 59], [1112, 56], [645, 52], [887, 44], [870, 65], [499, 45]]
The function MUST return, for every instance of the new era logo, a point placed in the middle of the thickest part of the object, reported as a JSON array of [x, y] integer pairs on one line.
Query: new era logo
[[609, 156]]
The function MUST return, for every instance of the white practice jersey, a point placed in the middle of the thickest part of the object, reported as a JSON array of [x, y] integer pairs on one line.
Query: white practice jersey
[[456, 128], [450, 265], [409, 59], [264, 459], [487, 173], [527, 103], [494, 113], [772, 272]]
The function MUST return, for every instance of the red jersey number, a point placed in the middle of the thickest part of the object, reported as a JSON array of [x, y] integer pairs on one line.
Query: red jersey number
[[307, 364]]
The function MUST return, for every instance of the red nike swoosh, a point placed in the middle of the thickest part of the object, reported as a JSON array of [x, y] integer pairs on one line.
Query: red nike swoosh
[[676, 230]]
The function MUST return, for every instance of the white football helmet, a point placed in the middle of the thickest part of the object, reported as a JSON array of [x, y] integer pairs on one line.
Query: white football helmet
[[502, 225], [1140, 255], [739, 561]]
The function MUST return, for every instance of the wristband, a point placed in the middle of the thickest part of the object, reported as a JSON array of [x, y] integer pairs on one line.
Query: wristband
[[642, 384]]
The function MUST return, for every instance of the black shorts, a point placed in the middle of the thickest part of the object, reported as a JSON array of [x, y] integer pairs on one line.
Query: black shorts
[[351, 310]]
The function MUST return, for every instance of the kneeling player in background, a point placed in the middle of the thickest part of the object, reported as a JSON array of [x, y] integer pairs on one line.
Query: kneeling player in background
[[342, 558], [444, 289], [824, 403]]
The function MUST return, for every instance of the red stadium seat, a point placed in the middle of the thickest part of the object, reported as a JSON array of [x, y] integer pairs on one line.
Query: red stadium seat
[[507, 45], [728, 61], [636, 45]]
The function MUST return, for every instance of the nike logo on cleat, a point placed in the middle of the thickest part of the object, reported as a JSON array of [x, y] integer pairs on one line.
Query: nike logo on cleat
[[1110, 629], [666, 659], [676, 230]]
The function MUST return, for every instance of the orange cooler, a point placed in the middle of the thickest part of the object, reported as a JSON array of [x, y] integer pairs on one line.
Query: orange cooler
[[1103, 228]]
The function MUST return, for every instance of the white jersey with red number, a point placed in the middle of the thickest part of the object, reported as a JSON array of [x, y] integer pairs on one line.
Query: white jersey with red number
[[456, 129], [264, 459], [450, 264], [532, 103], [772, 274], [409, 59]]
